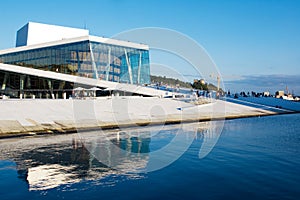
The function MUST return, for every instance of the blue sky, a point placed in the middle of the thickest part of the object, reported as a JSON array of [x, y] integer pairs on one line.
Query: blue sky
[[246, 39]]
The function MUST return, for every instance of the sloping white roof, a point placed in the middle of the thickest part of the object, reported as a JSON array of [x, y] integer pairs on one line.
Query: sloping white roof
[[77, 39], [82, 80]]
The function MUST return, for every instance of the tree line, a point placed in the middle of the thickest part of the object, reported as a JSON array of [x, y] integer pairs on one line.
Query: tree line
[[163, 80]]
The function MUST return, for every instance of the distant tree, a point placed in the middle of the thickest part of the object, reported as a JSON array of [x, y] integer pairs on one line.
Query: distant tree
[[200, 86]]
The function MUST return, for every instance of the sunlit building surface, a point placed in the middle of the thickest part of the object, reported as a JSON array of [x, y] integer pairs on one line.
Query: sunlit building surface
[[73, 52]]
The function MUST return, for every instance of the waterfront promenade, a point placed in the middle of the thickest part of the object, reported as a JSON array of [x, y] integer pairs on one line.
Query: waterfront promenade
[[42, 116]]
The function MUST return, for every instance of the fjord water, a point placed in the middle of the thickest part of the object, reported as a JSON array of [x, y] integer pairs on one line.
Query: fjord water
[[253, 158]]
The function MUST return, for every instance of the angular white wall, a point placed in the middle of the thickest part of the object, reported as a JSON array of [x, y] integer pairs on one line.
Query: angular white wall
[[37, 33]]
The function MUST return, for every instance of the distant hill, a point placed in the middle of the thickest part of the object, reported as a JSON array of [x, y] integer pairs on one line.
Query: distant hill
[[170, 81], [176, 82]]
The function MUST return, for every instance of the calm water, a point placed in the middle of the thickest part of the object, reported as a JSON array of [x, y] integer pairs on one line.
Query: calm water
[[254, 158]]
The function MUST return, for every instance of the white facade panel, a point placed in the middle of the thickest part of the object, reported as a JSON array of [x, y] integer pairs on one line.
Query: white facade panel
[[37, 33]]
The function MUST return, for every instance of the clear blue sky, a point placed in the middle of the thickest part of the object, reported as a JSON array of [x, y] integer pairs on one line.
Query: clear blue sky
[[246, 39]]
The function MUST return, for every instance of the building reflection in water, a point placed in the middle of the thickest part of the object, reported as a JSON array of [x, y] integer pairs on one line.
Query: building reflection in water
[[50, 161], [209, 135]]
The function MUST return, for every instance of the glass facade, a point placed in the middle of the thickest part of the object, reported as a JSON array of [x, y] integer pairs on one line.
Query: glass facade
[[87, 59]]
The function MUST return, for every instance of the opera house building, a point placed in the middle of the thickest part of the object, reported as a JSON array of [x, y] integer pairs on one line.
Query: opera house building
[[49, 61]]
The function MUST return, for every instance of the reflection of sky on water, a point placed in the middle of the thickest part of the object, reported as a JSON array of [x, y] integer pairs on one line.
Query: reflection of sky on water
[[50, 161]]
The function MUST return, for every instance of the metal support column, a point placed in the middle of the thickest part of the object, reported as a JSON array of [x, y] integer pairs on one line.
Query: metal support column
[[94, 66], [108, 64], [4, 81], [22, 80], [129, 67], [50, 85], [139, 69]]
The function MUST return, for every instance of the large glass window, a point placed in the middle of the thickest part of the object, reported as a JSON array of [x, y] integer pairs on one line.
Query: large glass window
[[88, 59]]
